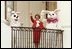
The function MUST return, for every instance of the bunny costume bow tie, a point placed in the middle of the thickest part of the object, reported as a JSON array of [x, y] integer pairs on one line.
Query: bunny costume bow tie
[[53, 20]]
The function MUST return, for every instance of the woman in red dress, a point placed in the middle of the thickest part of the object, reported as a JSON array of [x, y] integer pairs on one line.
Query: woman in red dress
[[37, 27]]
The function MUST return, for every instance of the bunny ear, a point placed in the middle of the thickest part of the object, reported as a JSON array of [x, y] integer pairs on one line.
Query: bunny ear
[[47, 11], [56, 10], [9, 9], [18, 12], [43, 11], [12, 12]]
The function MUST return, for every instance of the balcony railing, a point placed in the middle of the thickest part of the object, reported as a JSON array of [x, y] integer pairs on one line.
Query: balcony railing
[[22, 37]]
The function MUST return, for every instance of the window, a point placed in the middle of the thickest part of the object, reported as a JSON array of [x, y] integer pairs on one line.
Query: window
[[9, 6], [51, 5]]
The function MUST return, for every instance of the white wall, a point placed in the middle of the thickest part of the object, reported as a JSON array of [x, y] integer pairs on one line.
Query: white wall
[[65, 21], [5, 30]]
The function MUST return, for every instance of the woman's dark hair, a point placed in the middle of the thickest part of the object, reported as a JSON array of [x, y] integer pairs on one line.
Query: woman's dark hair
[[37, 15]]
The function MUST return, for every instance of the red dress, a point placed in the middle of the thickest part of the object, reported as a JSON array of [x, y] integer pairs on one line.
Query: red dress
[[36, 31]]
